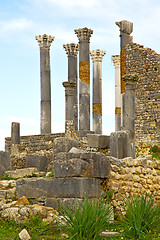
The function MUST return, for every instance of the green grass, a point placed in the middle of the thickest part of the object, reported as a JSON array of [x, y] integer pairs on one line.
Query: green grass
[[37, 229], [87, 220]]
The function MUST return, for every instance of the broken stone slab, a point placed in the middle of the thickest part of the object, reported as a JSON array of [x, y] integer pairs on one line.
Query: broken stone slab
[[98, 166], [58, 187], [18, 173], [39, 162], [98, 141], [5, 163]]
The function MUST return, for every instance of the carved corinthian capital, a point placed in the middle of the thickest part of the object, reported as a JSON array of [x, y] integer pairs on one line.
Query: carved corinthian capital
[[71, 49], [97, 55], [45, 40], [84, 34], [116, 60]]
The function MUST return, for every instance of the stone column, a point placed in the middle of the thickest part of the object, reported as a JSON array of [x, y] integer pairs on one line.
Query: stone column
[[15, 138], [44, 44], [118, 96], [97, 56], [69, 110], [71, 51], [84, 35], [15, 133], [129, 107]]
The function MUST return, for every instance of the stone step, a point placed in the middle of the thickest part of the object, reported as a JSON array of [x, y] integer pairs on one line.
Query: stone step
[[58, 187]]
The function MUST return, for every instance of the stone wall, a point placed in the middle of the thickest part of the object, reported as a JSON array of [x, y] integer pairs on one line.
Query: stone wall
[[146, 63], [33, 143], [133, 176]]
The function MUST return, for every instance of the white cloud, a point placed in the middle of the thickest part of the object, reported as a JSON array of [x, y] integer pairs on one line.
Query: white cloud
[[17, 24]]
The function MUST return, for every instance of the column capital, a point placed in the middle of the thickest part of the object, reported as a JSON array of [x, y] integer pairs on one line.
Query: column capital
[[97, 55], [83, 34], [125, 26], [130, 79], [71, 49], [69, 87], [116, 60], [44, 41]]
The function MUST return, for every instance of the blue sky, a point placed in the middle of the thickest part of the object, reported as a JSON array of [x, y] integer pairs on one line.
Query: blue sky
[[22, 20]]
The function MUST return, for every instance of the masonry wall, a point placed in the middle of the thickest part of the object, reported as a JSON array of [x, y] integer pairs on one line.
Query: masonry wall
[[133, 176], [146, 63], [34, 143]]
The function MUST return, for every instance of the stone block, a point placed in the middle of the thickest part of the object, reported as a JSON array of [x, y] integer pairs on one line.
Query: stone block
[[64, 144], [98, 140], [56, 203], [39, 162], [83, 133], [70, 168], [100, 166], [120, 144], [22, 172], [88, 164], [5, 163], [58, 187]]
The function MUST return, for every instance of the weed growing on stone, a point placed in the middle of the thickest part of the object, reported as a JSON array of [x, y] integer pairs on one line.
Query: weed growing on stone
[[155, 152]]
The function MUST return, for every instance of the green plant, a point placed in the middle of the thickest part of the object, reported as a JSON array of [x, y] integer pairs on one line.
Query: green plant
[[142, 218], [87, 220], [155, 152]]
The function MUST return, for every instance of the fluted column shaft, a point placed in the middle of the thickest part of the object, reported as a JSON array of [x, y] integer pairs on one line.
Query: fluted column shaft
[[97, 56], [72, 51], [118, 96], [44, 44], [84, 35]]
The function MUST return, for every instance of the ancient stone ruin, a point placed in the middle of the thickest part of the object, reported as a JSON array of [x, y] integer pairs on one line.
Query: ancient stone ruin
[[85, 162]]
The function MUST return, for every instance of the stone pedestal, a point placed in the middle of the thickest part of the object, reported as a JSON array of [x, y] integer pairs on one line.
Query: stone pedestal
[[44, 44], [84, 35], [129, 107], [69, 107], [118, 96], [72, 50], [97, 56]]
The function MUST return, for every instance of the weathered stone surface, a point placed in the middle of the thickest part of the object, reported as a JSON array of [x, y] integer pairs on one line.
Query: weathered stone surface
[[56, 203], [5, 163], [70, 168], [24, 235], [39, 162], [22, 201], [21, 172], [58, 187], [120, 144], [98, 141], [82, 164], [64, 144]]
